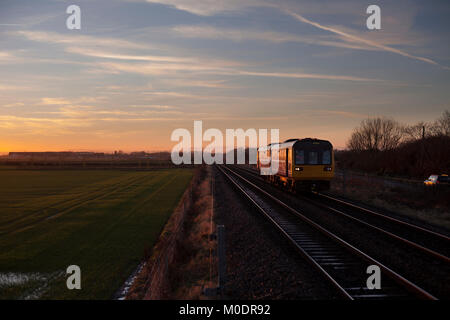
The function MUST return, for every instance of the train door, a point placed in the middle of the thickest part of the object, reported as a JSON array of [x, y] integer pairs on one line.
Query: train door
[[289, 162], [257, 159], [286, 161], [281, 163]]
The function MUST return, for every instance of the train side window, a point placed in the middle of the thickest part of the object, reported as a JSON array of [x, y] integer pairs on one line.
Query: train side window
[[326, 157], [299, 157], [312, 157]]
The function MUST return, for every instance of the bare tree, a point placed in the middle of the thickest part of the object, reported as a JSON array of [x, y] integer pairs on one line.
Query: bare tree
[[356, 141], [376, 134], [441, 127], [391, 134], [417, 131]]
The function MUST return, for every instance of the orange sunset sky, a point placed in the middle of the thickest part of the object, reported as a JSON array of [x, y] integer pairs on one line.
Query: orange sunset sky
[[139, 69]]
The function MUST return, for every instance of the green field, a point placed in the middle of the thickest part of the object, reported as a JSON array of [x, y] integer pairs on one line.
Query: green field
[[101, 221]]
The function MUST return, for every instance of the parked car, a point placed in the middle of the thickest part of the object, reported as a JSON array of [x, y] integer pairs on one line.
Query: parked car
[[435, 179]]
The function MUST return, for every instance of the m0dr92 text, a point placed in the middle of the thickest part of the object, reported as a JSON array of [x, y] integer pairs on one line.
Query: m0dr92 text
[[257, 309]]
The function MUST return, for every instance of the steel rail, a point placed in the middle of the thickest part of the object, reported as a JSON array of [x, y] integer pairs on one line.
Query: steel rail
[[413, 244], [341, 290], [402, 281], [398, 221]]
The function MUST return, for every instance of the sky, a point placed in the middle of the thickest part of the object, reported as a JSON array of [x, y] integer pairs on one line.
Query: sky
[[139, 69]]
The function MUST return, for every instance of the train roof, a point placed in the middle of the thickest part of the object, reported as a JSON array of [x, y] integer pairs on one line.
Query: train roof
[[291, 142]]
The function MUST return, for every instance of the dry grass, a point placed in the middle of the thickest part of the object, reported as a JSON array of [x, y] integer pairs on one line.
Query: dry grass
[[190, 266], [423, 205], [192, 271]]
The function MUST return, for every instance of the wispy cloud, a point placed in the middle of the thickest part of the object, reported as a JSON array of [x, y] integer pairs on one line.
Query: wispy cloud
[[80, 101], [159, 68], [13, 105], [7, 87], [356, 39], [108, 55], [4, 55], [170, 65], [55, 101], [175, 94], [165, 69], [349, 40], [345, 114], [307, 76], [154, 106], [210, 7], [190, 82], [70, 126], [241, 35], [91, 112], [80, 40]]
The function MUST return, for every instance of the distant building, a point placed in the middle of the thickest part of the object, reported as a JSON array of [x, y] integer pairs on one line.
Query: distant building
[[71, 155], [55, 155]]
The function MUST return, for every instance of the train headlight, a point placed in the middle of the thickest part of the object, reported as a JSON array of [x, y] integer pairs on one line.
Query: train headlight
[[298, 169], [327, 169]]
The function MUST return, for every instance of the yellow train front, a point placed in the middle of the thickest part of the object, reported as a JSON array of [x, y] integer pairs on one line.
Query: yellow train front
[[303, 164]]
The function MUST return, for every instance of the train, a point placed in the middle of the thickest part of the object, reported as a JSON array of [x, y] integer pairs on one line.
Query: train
[[303, 164]]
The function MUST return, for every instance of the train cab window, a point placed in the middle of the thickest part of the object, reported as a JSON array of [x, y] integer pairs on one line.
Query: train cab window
[[326, 157], [313, 157], [299, 157]]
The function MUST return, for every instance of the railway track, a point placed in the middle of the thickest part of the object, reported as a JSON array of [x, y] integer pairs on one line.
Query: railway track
[[342, 264], [428, 242]]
